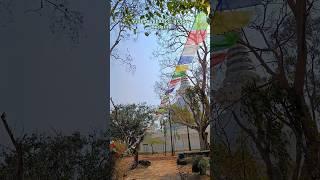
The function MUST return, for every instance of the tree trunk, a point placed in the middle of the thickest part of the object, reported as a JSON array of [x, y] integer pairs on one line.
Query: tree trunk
[[309, 127], [20, 162], [136, 158], [303, 117], [189, 139], [203, 140], [172, 145], [17, 145], [151, 149]]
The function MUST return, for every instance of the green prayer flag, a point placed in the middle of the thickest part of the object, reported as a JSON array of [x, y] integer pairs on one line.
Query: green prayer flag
[[179, 74], [201, 22], [224, 41]]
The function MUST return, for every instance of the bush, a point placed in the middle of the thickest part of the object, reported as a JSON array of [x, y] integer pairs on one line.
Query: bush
[[195, 167], [203, 165], [200, 164]]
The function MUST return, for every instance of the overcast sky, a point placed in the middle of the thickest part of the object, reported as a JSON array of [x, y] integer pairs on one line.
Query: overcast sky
[[137, 87], [46, 82]]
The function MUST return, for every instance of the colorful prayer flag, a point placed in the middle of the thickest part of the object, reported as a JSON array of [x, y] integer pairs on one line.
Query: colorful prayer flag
[[218, 58], [235, 4], [224, 41], [189, 50], [169, 91], [229, 21], [200, 22], [196, 37], [185, 60], [174, 82], [181, 68], [179, 74]]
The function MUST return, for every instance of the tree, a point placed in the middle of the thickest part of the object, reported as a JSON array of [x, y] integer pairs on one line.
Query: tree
[[59, 157], [286, 40], [124, 20], [129, 124], [64, 20], [286, 103], [193, 115], [290, 42], [153, 141], [173, 41]]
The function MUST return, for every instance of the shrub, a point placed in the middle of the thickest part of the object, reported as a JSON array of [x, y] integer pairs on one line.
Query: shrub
[[203, 165]]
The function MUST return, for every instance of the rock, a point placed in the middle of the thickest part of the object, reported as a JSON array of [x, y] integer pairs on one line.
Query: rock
[[181, 156], [145, 162], [182, 162]]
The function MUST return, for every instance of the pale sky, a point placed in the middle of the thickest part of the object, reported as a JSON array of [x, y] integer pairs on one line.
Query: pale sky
[[126, 87]]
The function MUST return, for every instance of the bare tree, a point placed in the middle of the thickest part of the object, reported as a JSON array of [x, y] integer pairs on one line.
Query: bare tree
[[124, 21], [171, 42], [288, 39]]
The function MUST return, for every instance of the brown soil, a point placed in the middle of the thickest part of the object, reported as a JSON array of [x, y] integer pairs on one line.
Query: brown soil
[[162, 168]]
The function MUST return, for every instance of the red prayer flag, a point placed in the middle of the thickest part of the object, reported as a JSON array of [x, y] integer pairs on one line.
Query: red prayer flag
[[218, 58], [174, 81], [195, 37]]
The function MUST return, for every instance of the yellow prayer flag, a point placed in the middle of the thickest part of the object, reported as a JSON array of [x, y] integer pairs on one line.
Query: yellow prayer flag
[[182, 68], [231, 20]]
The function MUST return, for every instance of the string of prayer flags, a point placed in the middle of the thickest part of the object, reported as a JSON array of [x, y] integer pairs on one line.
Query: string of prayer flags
[[185, 60], [196, 37], [235, 4], [224, 41], [179, 74], [181, 68], [199, 30], [169, 91], [201, 22], [189, 50], [174, 82], [230, 20], [218, 58]]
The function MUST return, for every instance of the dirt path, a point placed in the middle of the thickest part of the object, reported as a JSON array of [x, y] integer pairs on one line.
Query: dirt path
[[162, 168]]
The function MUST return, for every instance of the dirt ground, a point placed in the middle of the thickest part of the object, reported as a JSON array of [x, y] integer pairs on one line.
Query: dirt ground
[[162, 168]]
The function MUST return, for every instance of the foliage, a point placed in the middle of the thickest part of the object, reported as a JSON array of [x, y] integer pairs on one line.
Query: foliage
[[203, 165], [195, 114], [120, 148], [182, 115], [124, 20], [130, 122], [153, 140], [60, 157], [238, 165]]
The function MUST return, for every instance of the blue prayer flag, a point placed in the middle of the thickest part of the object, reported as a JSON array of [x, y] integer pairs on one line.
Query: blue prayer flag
[[185, 60], [169, 91]]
